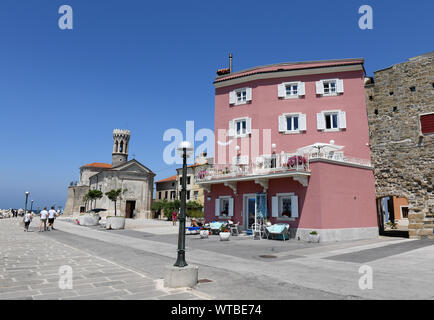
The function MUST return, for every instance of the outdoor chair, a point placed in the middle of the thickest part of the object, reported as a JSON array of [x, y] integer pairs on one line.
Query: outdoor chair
[[279, 231], [215, 227], [234, 229]]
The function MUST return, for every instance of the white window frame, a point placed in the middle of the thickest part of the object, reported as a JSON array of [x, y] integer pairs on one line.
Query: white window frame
[[221, 199], [301, 118], [280, 196], [324, 82], [233, 96], [341, 120], [283, 93], [339, 87], [233, 131], [330, 114]]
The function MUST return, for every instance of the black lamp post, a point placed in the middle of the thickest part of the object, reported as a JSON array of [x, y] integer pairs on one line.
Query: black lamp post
[[31, 206], [185, 149], [25, 206]]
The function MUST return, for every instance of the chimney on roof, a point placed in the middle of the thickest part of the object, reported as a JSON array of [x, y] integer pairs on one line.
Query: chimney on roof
[[230, 62]]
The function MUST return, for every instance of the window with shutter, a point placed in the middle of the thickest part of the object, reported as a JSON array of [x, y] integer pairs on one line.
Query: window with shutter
[[292, 123], [333, 120], [427, 123], [331, 87], [289, 90], [240, 96]]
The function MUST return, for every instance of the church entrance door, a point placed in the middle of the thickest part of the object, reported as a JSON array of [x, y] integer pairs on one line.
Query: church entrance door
[[130, 207]]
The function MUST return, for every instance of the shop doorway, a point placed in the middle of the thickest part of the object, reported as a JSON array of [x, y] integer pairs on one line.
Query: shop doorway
[[249, 205]]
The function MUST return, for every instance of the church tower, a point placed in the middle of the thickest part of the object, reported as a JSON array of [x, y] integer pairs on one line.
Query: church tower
[[121, 139]]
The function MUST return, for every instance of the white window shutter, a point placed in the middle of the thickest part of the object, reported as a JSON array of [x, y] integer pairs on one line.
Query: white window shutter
[[342, 120], [301, 89], [340, 86], [249, 125], [274, 207], [302, 122], [232, 97], [320, 121], [231, 207], [282, 123], [231, 132], [294, 206], [319, 87], [248, 94], [217, 207], [281, 90]]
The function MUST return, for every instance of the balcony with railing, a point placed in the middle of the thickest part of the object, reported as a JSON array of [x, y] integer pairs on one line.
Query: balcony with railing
[[264, 167], [274, 166]]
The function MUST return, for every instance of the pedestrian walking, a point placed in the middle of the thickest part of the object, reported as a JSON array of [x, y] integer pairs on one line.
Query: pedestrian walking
[[43, 216], [51, 217], [27, 219], [174, 216]]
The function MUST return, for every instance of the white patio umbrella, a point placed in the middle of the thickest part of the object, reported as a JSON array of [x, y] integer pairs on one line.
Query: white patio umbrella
[[320, 147]]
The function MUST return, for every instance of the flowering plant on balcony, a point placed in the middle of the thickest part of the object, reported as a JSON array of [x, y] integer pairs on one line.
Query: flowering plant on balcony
[[202, 174], [292, 162]]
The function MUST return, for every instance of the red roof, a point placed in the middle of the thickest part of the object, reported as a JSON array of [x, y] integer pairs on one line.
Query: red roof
[[98, 165], [289, 66], [172, 178]]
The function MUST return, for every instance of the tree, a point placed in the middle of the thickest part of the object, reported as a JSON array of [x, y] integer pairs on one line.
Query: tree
[[167, 207], [115, 195], [93, 195]]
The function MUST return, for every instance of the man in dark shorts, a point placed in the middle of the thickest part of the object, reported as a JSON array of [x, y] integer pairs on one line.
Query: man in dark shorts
[[51, 216]]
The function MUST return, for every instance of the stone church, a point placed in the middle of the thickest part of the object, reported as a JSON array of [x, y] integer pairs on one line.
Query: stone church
[[130, 175]]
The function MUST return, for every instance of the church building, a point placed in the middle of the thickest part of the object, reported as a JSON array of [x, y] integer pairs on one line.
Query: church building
[[129, 175]]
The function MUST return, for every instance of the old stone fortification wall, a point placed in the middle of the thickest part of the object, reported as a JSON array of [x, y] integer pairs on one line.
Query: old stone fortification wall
[[75, 200], [402, 157]]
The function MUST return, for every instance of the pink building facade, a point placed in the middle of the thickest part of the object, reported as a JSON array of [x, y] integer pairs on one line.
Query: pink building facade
[[294, 137]]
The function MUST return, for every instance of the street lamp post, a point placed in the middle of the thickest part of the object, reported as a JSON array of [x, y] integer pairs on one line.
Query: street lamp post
[[185, 149], [25, 206], [31, 206]]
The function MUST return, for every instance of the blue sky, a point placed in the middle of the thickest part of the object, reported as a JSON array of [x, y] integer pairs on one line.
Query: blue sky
[[148, 66]]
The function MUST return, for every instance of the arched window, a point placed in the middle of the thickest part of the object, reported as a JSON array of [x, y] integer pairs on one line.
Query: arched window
[[122, 147], [116, 146]]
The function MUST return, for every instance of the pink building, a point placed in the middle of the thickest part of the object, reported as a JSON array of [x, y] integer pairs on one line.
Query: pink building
[[292, 143]]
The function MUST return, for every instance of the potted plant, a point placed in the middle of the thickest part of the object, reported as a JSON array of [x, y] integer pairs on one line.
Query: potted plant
[[314, 237], [115, 222], [204, 233], [224, 233], [89, 218]]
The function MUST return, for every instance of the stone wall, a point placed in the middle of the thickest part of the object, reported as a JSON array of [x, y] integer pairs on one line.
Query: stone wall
[[402, 157], [75, 200]]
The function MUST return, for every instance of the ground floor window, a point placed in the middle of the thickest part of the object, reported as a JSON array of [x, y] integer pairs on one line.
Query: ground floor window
[[224, 207], [285, 206]]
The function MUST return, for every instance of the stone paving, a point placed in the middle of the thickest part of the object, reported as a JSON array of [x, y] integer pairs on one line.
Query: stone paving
[[30, 262]]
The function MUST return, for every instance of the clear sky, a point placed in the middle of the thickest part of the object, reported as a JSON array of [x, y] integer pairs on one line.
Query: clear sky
[[148, 66]]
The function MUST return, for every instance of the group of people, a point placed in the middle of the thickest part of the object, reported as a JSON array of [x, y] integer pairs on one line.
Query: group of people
[[45, 216]]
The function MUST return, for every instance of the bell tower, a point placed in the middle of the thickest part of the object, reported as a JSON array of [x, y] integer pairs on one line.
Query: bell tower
[[121, 140]]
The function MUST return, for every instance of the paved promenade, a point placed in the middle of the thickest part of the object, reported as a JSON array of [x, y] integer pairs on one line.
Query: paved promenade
[[30, 262], [129, 264]]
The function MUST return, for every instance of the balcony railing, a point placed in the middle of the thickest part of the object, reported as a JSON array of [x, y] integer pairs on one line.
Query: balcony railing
[[340, 157], [268, 166], [271, 165]]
